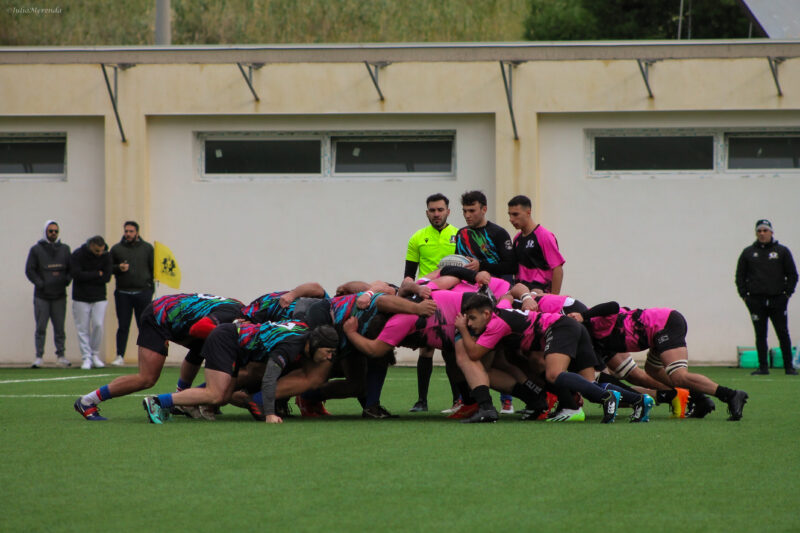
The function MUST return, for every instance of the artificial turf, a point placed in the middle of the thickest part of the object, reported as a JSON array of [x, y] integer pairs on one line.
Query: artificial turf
[[420, 472]]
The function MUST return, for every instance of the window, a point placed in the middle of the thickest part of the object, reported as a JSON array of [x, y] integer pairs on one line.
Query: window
[[27, 156], [380, 154], [654, 153], [766, 151], [253, 156], [393, 155]]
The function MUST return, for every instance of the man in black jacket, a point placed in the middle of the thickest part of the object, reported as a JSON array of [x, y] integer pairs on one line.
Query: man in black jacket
[[91, 269], [133, 268], [765, 278], [47, 268]]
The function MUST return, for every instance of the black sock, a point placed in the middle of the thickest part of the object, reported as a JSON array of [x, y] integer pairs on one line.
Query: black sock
[[523, 393], [534, 397], [424, 371], [665, 396], [724, 393], [464, 392], [482, 396], [608, 378], [697, 396], [588, 389], [455, 389], [629, 396]]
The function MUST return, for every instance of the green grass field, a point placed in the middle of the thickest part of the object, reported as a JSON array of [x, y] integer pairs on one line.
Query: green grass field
[[417, 473]]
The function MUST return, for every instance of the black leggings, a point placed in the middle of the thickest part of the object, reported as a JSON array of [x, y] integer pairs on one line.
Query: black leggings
[[128, 304], [772, 308]]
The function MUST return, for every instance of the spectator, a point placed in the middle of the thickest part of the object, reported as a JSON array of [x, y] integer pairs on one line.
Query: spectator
[[91, 269], [47, 268], [133, 268], [765, 278]]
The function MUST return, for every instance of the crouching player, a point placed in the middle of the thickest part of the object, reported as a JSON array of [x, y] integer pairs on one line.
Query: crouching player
[[285, 346], [570, 360], [662, 331], [184, 319]]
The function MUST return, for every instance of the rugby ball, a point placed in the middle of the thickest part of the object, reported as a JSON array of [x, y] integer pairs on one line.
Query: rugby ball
[[454, 260]]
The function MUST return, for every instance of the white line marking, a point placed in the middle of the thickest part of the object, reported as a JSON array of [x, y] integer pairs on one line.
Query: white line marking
[[55, 379], [56, 395]]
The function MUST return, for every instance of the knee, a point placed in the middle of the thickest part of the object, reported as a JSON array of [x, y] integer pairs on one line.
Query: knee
[[147, 382], [216, 397], [552, 375]]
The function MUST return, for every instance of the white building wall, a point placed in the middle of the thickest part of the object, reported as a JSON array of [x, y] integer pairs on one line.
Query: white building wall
[[665, 241], [77, 204], [242, 239]]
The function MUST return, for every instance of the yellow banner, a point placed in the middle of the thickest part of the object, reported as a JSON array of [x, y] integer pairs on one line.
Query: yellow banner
[[166, 269]]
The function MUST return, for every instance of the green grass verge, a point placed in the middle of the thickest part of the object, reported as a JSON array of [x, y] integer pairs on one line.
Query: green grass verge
[[417, 473]]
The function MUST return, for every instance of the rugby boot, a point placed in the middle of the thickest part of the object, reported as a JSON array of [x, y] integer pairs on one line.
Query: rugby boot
[[465, 411], [678, 404], [736, 404], [610, 405], [487, 415], [89, 412]]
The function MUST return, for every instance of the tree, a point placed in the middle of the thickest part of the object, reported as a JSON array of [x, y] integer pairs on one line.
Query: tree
[[552, 20]]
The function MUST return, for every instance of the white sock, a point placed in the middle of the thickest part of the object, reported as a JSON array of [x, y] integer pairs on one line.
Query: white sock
[[91, 399]]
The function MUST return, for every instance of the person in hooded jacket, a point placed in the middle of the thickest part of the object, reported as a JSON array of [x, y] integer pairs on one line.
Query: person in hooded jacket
[[47, 268], [90, 266]]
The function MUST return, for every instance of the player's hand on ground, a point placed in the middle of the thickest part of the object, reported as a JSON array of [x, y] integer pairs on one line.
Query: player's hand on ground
[[274, 419]]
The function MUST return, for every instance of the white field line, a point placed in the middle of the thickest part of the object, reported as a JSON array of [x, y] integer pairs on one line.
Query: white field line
[[92, 376], [73, 396]]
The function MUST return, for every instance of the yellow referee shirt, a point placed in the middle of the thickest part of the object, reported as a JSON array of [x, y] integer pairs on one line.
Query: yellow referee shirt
[[428, 246]]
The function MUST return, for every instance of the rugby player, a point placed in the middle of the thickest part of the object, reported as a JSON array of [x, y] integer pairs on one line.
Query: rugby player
[[662, 332], [570, 361], [184, 319], [284, 346]]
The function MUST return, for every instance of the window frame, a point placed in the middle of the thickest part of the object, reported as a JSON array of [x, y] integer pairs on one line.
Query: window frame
[[327, 140], [44, 137], [757, 132], [591, 134], [334, 139], [202, 137]]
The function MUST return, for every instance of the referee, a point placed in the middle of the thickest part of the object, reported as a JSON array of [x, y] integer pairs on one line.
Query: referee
[[425, 249]]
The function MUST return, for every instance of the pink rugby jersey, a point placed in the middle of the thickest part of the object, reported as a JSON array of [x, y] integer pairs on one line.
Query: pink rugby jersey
[[498, 286], [553, 303], [438, 330], [631, 330], [537, 255], [522, 329]]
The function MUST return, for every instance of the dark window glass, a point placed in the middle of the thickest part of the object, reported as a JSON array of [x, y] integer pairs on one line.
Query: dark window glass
[[654, 153], [764, 152], [393, 156], [32, 156], [262, 157]]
